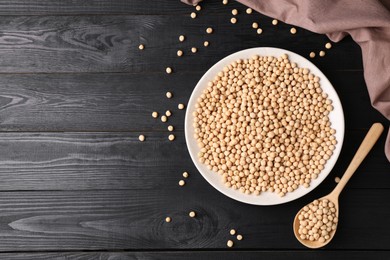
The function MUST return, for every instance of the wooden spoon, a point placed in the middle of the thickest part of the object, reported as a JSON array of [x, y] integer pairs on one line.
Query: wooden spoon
[[368, 142]]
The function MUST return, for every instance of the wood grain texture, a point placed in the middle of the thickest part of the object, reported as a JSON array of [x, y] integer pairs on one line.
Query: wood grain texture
[[124, 102], [108, 7], [101, 161], [135, 219], [74, 7], [42, 44], [75, 93], [195, 255]]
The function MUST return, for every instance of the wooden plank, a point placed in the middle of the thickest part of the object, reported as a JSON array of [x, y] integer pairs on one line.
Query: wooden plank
[[133, 7], [91, 102], [100, 161], [107, 7], [216, 255], [124, 102], [43, 44], [135, 219]]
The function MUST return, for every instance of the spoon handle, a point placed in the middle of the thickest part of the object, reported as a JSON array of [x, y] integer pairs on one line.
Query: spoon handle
[[372, 136]]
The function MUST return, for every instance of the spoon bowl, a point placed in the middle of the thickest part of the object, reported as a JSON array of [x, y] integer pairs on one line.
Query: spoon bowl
[[367, 144], [316, 244]]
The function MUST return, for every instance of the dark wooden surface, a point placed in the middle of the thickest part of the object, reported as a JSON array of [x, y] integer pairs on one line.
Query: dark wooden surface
[[75, 93]]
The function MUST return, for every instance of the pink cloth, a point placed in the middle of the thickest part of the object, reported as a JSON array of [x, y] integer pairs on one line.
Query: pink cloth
[[368, 23]]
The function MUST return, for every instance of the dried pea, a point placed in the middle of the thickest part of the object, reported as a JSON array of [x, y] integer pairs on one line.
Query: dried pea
[[293, 30]]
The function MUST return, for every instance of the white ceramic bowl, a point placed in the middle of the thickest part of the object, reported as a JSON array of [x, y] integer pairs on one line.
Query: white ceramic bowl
[[265, 198]]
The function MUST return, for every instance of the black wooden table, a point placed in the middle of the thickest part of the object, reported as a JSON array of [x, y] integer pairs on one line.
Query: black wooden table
[[75, 94]]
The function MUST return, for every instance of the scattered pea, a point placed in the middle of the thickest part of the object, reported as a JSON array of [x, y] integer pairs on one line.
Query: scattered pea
[[141, 138], [312, 54], [249, 10], [170, 128], [180, 106], [239, 237], [259, 31], [169, 94], [232, 232], [230, 243], [185, 174], [141, 47], [179, 53], [168, 70], [192, 214], [154, 114], [209, 30], [274, 22], [168, 113], [194, 50], [293, 30], [322, 53], [167, 219], [198, 8], [206, 43], [171, 137], [234, 12], [225, 2], [182, 38], [164, 119], [193, 15], [328, 45], [233, 20], [255, 25], [182, 183], [337, 179]]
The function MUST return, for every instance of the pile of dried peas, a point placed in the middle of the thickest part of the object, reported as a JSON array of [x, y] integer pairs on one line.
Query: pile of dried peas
[[317, 220], [263, 124]]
